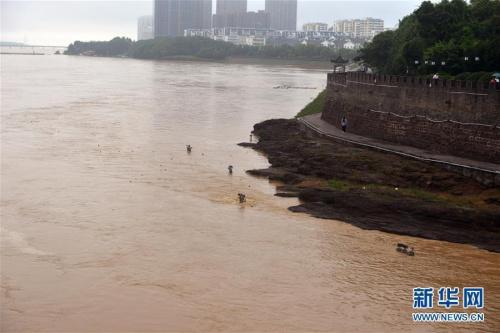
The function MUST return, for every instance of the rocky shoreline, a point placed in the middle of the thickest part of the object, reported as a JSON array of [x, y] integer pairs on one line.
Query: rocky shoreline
[[374, 190]]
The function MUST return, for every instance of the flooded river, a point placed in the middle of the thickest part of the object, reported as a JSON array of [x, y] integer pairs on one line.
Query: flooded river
[[109, 225]]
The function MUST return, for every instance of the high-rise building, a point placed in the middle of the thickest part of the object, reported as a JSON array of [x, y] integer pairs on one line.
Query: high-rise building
[[172, 17], [344, 26], [317, 26], [255, 20], [282, 14], [231, 6], [230, 13], [370, 27], [145, 27], [365, 28]]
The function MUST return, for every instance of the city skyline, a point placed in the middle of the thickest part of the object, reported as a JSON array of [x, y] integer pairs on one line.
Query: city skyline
[[60, 23]]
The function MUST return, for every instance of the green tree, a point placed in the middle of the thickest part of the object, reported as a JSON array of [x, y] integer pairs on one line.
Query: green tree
[[444, 32]]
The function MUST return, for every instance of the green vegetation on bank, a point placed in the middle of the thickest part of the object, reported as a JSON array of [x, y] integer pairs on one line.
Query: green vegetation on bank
[[444, 33], [118, 46], [164, 48], [378, 189], [203, 48], [315, 106]]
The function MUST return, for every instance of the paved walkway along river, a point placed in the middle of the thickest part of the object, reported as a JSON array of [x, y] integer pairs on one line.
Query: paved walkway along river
[[324, 128]]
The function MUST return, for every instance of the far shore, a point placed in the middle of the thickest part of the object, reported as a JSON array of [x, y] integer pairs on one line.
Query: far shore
[[313, 64], [301, 63]]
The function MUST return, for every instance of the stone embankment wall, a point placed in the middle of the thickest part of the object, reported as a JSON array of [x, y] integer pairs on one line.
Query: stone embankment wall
[[448, 117]]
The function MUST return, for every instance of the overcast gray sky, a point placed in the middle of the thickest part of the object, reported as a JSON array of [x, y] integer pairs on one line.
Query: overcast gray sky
[[62, 22]]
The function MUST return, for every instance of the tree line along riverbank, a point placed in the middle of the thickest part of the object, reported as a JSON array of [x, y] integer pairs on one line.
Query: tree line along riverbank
[[200, 48]]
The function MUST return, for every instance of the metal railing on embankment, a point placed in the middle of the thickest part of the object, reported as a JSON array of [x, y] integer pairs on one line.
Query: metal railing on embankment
[[485, 176]]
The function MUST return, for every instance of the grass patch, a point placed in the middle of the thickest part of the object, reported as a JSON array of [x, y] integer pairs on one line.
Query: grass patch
[[420, 194], [414, 193], [379, 189], [338, 184], [315, 106]]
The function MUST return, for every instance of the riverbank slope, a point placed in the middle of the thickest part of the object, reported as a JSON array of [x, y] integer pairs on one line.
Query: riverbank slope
[[374, 190]]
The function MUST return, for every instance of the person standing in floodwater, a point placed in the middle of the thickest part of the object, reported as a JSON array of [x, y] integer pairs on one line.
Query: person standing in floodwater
[[343, 124]]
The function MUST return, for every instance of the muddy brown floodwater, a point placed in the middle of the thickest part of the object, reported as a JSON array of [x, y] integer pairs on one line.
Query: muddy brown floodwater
[[109, 225]]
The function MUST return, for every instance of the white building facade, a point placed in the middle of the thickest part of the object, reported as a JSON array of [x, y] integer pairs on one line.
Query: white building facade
[[360, 28], [315, 26]]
